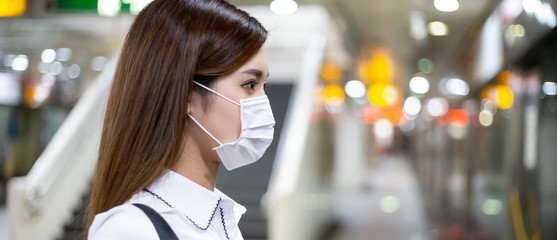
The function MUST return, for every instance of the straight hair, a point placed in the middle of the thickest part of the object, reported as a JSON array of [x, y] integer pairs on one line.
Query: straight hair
[[170, 43]]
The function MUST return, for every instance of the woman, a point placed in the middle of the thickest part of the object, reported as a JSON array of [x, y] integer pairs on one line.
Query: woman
[[187, 95]]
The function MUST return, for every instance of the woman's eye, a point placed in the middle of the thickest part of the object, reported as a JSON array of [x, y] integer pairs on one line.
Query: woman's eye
[[250, 84]]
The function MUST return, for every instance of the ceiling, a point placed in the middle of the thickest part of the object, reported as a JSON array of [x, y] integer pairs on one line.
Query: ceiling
[[386, 23]]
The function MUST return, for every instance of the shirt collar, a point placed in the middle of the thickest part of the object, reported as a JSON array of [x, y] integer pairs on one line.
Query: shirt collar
[[196, 202]]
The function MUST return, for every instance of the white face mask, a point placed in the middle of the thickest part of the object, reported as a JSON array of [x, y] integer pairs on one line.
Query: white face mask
[[258, 124]]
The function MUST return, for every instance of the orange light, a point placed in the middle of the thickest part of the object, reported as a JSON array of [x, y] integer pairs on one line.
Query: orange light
[[330, 73], [457, 117], [504, 97], [384, 95], [380, 67], [334, 91], [393, 114], [29, 93], [504, 77], [11, 8], [363, 70], [500, 94]]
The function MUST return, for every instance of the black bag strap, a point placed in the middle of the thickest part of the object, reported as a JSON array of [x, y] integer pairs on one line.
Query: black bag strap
[[163, 229]]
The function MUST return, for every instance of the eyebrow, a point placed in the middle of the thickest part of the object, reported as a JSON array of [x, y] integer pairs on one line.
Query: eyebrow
[[255, 72]]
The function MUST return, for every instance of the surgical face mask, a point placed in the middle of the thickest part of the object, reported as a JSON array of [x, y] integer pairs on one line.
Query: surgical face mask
[[258, 124]]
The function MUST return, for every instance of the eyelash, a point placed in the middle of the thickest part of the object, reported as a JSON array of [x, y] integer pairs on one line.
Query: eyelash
[[251, 84]]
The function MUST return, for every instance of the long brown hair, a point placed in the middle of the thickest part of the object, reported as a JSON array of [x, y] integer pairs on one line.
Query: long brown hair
[[170, 43]]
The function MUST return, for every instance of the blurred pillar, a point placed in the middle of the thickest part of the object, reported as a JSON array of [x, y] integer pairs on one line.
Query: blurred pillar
[[36, 8]]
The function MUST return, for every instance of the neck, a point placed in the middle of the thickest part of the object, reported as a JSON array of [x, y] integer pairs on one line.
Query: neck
[[197, 167]]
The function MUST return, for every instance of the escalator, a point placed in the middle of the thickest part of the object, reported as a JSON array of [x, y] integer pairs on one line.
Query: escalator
[[245, 185]]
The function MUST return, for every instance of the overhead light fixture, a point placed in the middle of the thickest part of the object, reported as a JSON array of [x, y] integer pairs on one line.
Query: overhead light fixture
[[284, 6], [109, 8], [456, 86], [417, 25], [20, 63], [532, 6], [437, 28], [446, 5], [419, 85], [355, 89], [549, 88], [137, 5]]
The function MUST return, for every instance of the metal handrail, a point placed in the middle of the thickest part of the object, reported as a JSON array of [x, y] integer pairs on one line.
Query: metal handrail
[[296, 126], [48, 168], [41, 202]]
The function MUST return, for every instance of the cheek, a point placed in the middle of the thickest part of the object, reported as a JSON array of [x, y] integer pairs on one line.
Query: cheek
[[227, 121]]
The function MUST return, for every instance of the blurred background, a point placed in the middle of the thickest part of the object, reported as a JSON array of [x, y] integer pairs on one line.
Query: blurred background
[[400, 119]]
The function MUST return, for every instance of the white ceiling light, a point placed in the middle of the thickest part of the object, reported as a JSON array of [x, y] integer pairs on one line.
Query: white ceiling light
[[109, 8], [457, 87], [549, 88], [437, 107], [48, 55], [417, 25], [419, 85], [284, 6], [20, 63], [137, 5], [355, 89], [412, 106], [532, 6], [446, 5], [437, 28]]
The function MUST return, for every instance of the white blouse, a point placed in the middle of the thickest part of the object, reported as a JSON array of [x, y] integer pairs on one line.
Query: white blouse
[[192, 211]]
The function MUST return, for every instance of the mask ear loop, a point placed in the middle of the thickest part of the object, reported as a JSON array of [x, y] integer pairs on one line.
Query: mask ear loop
[[215, 92], [205, 130]]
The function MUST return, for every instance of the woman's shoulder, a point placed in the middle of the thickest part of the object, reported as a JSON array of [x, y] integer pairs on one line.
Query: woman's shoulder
[[125, 221]]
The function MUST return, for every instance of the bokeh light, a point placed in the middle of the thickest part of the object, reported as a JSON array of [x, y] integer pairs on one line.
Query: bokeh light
[[500, 94], [74, 71], [549, 88], [63, 54], [56, 68], [108, 8], [446, 5], [419, 85], [284, 6], [491, 207], [389, 204], [425, 65], [384, 95], [48, 55], [412, 106], [97, 64], [438, 28], [457, 87], [355, 89], [437, 107], [486, 118], [20, 63]]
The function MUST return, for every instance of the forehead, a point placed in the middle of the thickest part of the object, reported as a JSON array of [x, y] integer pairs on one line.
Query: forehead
[[257, 62]]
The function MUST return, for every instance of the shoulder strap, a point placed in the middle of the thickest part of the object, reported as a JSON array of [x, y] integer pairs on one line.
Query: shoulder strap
[[163, 229]]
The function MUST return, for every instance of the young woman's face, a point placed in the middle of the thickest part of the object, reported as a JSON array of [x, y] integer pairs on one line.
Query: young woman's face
[[221, 117]]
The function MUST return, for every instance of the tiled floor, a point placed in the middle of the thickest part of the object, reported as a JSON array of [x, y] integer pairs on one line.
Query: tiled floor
[[389, 209]]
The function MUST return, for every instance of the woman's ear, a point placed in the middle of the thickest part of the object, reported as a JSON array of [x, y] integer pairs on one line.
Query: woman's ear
[[195, 105]]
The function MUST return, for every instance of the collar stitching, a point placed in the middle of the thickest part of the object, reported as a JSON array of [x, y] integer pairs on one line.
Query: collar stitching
[[191, 220], [224, 225]]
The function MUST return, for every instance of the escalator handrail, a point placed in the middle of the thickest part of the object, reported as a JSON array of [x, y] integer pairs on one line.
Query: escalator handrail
[[290, 149], [50, 166]]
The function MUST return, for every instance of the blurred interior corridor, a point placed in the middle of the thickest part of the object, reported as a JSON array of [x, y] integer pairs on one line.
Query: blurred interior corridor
[[401, 119]]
